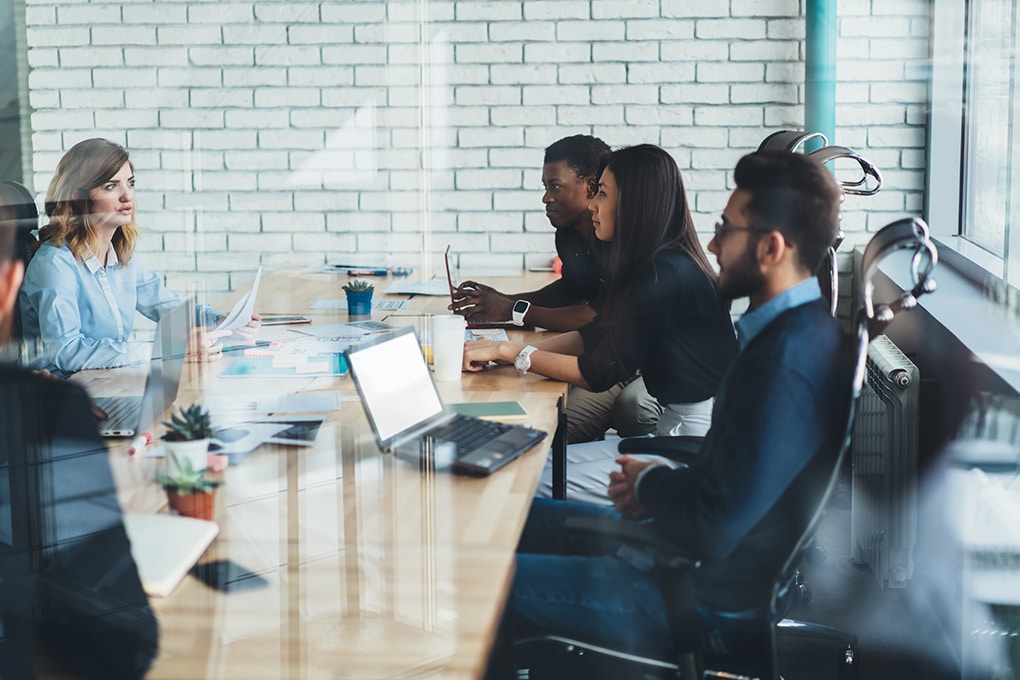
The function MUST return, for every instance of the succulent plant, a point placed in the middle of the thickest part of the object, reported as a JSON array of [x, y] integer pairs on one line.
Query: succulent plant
[[188, 424], [183, 478], [358, 286]]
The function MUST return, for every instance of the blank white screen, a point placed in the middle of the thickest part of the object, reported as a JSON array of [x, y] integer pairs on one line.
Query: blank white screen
[[396, 388]]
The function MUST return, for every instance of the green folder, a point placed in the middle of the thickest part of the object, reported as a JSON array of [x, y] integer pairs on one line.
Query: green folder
[[491, 410]]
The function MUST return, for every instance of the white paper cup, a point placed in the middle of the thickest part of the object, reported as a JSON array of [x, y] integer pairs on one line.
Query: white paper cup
[[447, 345]]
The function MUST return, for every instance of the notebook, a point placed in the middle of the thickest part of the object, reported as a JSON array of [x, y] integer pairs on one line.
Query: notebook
[[166, 547], [408, 417], [128, 415], [453, 292]]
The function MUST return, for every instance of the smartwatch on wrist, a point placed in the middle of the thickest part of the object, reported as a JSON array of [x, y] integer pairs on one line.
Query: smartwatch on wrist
[[523, 361], [520, 308]]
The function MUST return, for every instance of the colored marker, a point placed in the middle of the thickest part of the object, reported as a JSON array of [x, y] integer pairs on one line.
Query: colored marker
[[368, 272], [233, 348], [139, 443]]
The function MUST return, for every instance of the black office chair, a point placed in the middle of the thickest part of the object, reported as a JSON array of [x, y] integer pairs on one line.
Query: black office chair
[[868, 184], [18, 205], [582, 658]]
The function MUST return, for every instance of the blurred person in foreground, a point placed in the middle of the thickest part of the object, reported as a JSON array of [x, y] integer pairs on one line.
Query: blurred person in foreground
[[69, 589]]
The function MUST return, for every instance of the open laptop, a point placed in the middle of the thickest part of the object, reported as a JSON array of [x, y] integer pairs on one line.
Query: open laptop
[[453, 299], [408, 417], [126, 416]]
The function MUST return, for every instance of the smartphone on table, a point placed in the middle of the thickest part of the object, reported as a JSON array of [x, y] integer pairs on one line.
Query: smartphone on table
[[283, 320]]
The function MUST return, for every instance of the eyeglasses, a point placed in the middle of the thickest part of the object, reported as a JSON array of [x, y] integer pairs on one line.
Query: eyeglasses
[[724, 227]]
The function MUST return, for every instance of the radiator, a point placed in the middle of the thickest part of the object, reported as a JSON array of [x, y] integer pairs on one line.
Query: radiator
[[883, 525]]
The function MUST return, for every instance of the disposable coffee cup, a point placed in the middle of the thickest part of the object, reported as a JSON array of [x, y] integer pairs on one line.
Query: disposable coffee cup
[[447, 345]]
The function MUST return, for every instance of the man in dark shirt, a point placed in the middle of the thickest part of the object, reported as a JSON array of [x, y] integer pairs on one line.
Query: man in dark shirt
[[775, 432], [570, 174], [67, 578]]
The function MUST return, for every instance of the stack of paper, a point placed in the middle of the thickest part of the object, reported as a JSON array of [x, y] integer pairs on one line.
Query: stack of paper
[[311, 354]]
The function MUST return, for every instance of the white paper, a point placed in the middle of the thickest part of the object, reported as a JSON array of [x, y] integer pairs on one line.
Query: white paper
[[419, 287], [240, 315], [346, 331], [487, 333], [243, 438], [294, 402], [299, 352], [331, 304]]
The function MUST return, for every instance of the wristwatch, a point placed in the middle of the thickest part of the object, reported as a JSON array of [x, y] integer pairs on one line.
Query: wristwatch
[[523, 361], [521, 308]]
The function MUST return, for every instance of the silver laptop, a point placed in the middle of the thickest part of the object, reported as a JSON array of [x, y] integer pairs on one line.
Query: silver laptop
[[126, 416], [408, 417]]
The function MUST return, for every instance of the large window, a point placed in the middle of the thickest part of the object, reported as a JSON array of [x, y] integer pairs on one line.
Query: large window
[[973, 185]]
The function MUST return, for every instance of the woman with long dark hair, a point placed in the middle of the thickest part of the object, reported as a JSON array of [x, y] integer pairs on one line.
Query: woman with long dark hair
[[84, 285], [661, 315]]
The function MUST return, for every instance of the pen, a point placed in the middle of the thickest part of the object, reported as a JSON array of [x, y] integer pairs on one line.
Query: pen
[[139, 443], [232, 348], [367, 272], [354, 266]]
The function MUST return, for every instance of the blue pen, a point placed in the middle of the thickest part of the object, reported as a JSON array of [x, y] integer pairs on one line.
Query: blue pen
[[231, 348], [367, 272]]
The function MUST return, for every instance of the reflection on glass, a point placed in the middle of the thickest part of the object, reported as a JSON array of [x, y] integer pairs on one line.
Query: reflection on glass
[[67, 578]]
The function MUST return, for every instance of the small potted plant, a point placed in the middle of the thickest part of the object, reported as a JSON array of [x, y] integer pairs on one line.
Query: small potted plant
[[359, 297], [187, 436], [190, 492]]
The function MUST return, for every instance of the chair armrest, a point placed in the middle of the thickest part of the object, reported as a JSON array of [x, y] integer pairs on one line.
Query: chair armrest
[[640, 536], [681, 449]]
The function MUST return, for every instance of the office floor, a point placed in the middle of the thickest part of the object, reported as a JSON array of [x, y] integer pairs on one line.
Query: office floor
[[899, 636]]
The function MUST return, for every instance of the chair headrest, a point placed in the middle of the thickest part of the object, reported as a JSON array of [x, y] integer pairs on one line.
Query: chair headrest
[[910, 233], [19, 199], [790, 140], [858, 187]]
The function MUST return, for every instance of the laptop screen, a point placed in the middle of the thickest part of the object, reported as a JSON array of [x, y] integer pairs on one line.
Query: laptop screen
[[167, 363], [449, 275], [394, 382]]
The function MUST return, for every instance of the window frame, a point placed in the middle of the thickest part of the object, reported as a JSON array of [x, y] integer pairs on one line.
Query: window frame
[[945, 183]]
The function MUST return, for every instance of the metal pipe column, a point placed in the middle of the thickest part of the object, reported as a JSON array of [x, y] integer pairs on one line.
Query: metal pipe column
[[820, 70]]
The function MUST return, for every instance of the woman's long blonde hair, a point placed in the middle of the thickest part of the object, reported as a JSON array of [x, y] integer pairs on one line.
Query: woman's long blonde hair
[[87, 165]]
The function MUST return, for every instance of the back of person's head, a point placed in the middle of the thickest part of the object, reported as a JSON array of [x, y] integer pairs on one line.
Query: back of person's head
[[652, 213], [584, 154], [795, 195], [8, 229], [87, 165]]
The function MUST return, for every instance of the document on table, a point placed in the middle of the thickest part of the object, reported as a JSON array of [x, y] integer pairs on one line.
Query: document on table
[[240, 315], [294, 402], [419, 287], [486, 333], [353, 331], [384, 305], [300, 352]]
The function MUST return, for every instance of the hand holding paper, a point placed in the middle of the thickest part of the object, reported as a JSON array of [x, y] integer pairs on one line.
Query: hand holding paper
[[244, 310]]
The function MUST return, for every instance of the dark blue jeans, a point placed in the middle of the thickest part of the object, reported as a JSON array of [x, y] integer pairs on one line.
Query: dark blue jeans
[[575, 586]]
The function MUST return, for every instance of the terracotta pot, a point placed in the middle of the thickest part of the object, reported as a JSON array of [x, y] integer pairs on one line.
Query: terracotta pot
[[198, 505]]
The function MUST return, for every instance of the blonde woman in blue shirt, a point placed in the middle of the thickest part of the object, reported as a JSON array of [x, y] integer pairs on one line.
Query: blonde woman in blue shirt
[[84, 285]]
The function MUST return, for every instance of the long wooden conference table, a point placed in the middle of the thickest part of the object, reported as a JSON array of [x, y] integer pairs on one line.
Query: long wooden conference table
[[373, 567]]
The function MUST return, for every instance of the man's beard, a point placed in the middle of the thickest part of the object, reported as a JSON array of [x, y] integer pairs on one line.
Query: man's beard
[[741, 278]]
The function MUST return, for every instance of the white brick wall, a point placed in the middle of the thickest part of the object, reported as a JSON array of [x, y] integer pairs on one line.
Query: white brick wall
[[293, 129]]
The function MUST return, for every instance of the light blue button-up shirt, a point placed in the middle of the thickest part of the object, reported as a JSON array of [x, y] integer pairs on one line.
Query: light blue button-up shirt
[[755, 321], [83, 313]]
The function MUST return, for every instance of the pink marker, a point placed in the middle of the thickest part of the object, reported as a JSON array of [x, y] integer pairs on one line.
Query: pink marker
[[139, 443]]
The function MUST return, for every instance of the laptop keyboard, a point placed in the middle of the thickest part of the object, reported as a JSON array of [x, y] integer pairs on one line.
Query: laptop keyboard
[[468, 433], [119, 410]]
